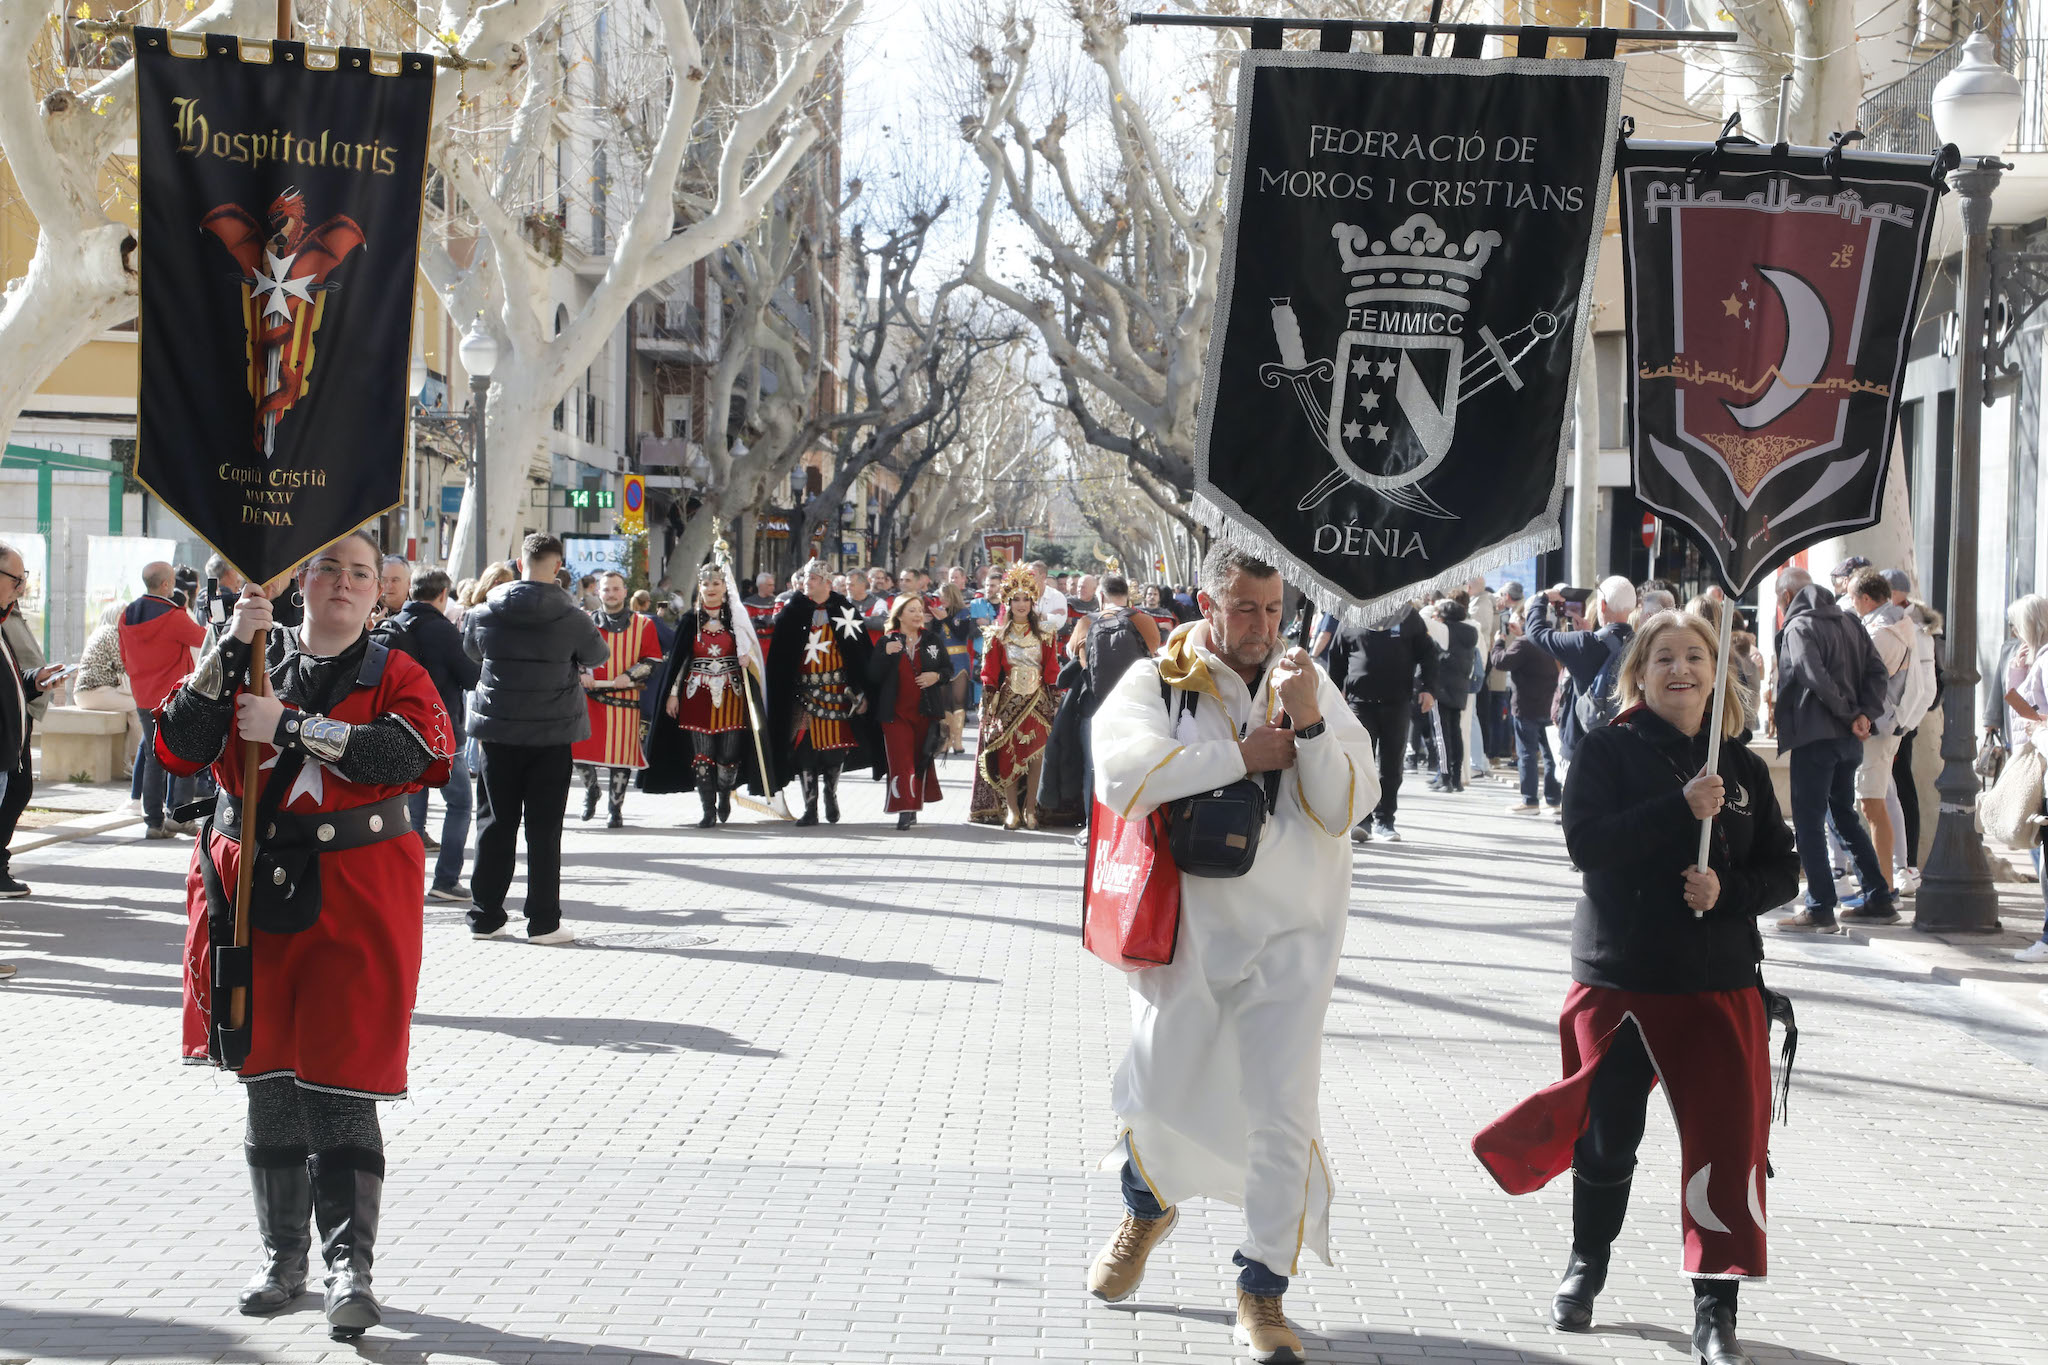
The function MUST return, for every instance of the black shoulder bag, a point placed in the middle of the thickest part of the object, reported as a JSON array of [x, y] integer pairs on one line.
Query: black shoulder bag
[[1216, 833]]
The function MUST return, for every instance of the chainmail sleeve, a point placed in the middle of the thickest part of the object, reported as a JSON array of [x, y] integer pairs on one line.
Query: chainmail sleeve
[[197, 717], [385, 752]]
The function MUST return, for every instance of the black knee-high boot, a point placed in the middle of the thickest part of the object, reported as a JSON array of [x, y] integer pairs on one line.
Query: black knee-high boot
[[284, 1216], [589, 793], [810, 785], [728, 778], [617, 799], [348, 1197], [1713, 1323], [831, 778], [709, 797], [1597, 1214]]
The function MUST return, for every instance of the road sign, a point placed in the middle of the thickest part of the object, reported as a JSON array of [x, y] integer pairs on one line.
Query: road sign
[[1649, 531], [634, 519]]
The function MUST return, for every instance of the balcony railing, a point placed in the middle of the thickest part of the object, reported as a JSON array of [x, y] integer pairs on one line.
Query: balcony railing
[[1899, 117]]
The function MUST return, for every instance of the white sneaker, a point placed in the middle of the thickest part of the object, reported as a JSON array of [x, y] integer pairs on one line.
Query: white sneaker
[[2037, 951], [1523, 808], [558, 936], [1905, 881]]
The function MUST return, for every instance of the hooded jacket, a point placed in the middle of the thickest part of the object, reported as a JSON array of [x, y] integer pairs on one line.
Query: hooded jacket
[[534, 643], [1374, 665], [1632, 835], [1828, 672], [157, 640]]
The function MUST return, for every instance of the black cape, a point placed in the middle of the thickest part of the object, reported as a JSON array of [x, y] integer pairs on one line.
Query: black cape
[[786, 643], [670, 767]]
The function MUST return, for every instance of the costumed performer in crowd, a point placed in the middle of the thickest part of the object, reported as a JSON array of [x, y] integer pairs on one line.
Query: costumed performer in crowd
[[908, 674], [703, 739], [1020, 663], [1218, 1094], [1666, 986], [818, 714], [350, 731], [611, 691]]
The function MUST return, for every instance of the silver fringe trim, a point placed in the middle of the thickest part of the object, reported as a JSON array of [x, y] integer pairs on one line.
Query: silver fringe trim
[[1539, 537]]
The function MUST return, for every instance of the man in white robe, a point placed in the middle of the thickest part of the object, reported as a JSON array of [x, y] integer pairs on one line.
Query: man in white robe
[[1218, 1094]]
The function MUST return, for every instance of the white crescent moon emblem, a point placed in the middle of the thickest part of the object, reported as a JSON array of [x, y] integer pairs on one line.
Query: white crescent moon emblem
[[1807, 339], [1756, 1205], [1696, 1201]]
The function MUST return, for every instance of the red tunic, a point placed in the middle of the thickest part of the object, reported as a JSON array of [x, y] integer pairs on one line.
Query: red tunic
[[615, 712], [332, 1005], [913, 781], [712, 700]]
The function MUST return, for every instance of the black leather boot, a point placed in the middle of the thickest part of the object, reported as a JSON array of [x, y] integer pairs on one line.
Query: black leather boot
[[618, 811], [832, 795], [348, 1194], [810, 784], [710, 802], [724, 804], [1597, 1214], [589, 800], [284, 1216], [1713, 1324]]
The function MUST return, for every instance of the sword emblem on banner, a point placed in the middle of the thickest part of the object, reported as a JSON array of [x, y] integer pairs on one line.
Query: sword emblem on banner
[[1402, 366]]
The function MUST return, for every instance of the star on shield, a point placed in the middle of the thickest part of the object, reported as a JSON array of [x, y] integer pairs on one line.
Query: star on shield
[[819, 646], [849, 623]]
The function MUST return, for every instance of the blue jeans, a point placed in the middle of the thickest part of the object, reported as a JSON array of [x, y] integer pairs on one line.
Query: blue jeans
[[461, 801], [157, 781], [1824, 784], [1253, 1277], [1532, 744]]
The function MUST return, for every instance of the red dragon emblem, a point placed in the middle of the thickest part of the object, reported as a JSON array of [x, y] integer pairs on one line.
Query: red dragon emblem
[[285, 270]]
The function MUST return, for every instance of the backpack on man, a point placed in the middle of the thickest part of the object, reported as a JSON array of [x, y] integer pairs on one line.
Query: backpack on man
[[1597, 704], [1113, 646]]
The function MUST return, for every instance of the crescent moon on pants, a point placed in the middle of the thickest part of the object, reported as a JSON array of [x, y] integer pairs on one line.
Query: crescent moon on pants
[[1696, 1201], [1808, 337]]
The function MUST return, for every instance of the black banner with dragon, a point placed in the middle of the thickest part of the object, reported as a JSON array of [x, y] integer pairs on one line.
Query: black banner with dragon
[[280, 214], [1771, 300]]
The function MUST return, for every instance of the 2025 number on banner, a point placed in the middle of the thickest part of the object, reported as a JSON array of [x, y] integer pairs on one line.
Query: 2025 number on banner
[[1403, 300], [280, 214]]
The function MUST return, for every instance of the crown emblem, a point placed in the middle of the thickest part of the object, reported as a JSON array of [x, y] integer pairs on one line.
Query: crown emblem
[[1416, 263]]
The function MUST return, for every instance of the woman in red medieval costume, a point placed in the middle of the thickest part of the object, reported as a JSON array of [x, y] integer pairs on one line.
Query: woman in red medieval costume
[[1018, 669], [702, 740], [909, 672], [1665, 985], [349, 731]]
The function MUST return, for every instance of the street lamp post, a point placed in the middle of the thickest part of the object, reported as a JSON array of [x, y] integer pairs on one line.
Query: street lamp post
[[1976, 106], [479, 353]]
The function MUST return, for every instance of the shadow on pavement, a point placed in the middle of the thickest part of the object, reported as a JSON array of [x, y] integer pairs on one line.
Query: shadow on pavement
[[606, 1035], [64, 1335]]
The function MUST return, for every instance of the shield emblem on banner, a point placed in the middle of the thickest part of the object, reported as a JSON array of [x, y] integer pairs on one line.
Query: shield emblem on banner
[[1767, 321], [1394, 400]]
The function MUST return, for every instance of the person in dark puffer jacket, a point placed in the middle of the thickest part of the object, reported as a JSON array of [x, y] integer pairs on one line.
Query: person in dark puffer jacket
[[1665, 984], [534, 644]]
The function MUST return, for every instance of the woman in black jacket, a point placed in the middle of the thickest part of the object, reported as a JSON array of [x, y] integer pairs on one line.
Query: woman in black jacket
[[1453, 692], [1665, 984], [908, 671]]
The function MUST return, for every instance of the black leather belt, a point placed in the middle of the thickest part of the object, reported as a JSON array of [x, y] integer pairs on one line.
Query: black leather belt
[[326, 831]]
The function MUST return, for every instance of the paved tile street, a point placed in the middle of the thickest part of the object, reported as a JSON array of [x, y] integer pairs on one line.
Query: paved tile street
[[837, 1095]]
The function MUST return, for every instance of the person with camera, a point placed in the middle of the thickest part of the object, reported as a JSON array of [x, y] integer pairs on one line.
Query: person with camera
[[1590, 657], [909, 673], [1665, 984], [1217, 1095]]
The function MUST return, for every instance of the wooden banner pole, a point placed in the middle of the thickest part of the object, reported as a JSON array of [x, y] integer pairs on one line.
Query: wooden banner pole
[[1720, 709], [252, 796]]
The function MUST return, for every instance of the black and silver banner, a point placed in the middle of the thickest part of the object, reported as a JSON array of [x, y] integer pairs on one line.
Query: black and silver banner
[[1407, 273], [1771, 302], [280, 225]]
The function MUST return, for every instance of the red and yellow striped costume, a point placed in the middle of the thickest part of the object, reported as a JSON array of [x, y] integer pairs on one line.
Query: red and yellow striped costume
[[615, 712], [824, 696]]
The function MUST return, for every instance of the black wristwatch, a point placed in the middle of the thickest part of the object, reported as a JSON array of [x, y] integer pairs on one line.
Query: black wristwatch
[[1311, 731]]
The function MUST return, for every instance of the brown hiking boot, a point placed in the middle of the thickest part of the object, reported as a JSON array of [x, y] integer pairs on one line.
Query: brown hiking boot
[[1263, 1331], [1121, 1266]]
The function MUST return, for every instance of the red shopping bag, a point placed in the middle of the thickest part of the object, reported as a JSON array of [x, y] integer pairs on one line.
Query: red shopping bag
[[1131, 915]]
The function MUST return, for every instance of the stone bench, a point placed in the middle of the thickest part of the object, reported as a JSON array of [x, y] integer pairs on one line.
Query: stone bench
[[88, 746]]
